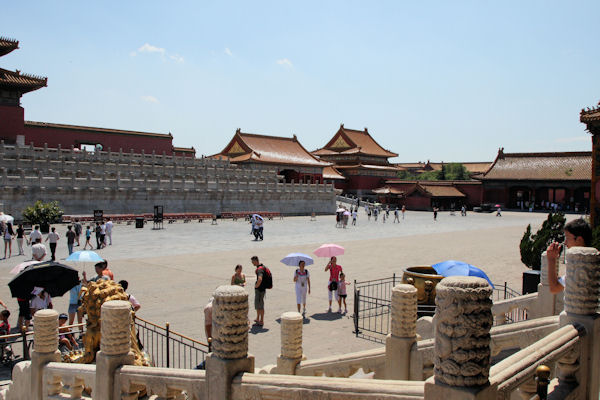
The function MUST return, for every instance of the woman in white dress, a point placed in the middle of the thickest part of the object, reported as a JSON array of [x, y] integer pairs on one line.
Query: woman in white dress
[[302, 279]]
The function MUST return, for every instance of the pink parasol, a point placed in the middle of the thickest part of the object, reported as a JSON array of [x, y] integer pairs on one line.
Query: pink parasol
[[22, 266], [329, 250]]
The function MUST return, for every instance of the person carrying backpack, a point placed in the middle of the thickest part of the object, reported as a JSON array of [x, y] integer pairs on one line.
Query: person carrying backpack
[[264, 281]]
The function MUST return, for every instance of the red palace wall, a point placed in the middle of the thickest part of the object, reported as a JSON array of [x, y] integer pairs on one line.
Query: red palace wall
[[418, 202], [474, 193], [364, 183], [54, 136], [11, 123]]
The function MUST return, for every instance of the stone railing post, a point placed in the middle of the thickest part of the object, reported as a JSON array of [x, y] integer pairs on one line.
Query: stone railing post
[[45, 348], [462, 340], [291, 343], [229, 342], [403, 334], [582, 292], [115, 348]]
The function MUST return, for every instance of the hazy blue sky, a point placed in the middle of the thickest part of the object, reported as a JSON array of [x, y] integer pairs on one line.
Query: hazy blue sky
[[439, 80]]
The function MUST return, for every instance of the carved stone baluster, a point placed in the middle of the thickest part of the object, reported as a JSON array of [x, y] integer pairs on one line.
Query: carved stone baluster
[[403, 333], [54, 385], [462, 340], [229, 342], [582, 292], [291, 343], [45, 348]]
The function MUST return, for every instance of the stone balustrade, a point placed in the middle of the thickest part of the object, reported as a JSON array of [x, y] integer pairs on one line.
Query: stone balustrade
[[345, 365], [166, 383], [62, 379]]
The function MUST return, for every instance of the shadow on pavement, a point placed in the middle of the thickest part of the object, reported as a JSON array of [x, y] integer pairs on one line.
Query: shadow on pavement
[[305, 321], [326, 316], [258, 329]]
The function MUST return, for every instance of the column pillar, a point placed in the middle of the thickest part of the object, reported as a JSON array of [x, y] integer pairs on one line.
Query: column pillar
[[582, 292], [462, 340], [115, 348], [403, 334], [229, 342], [45, 348], [291, 343]]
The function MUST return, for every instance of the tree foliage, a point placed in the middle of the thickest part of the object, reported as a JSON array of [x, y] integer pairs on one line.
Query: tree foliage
[[449, 172], [41, 213], [533, 245]]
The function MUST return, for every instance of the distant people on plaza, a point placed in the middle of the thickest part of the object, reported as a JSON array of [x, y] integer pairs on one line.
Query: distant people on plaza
[[20, 237], [259, 292], [8, 238], [24, 313], [375, 212], [354, 216], [38, 250], [384, 217], [74, 304], [338, 219], [97, 230], [103, 235], [577, 233], [345, 216], [368, 213], [435, 213], [77, 228], [65, 337], [102, 272], [53, 238], [403, 211], [41, 300], [88, 236], [334, 277], [387, 211], [342, 292], [302, 281], [238, 277], [70, 239], [499, 212], [396, 215], [208, 320], [109, 229], [135, 305], [257, 227], [463, 211]]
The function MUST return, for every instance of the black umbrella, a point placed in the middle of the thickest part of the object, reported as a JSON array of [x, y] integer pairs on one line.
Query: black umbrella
[[56, 278]]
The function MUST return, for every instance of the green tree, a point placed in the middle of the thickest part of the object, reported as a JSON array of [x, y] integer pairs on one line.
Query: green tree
[[429, 176], [456, 172], [43, 213], [533, 245], [406, 175]]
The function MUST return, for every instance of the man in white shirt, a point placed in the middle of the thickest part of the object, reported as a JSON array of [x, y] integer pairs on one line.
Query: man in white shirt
[[34, 235], [109, 228]]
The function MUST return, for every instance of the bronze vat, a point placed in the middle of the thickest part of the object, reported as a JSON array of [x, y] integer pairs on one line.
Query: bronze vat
[[424, 278]]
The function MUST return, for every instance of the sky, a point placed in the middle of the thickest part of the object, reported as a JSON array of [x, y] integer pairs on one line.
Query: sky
[[432, 80]]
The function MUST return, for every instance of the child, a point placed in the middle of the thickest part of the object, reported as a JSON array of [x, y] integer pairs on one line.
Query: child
[[4, 326], [65, 338], [342, 292], [41, 300], [88, 235]]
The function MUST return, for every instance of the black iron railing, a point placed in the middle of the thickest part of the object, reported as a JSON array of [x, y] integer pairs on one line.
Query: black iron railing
[[169, 349], [372, 302]]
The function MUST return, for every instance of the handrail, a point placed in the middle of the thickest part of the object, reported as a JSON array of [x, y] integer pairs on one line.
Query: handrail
[[513, 371], [173, 332]]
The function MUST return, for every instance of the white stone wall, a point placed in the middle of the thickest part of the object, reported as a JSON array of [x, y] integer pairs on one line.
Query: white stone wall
[[118, 182]]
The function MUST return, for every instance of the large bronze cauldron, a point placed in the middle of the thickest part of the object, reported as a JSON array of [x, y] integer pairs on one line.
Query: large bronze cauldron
[[424, 278]]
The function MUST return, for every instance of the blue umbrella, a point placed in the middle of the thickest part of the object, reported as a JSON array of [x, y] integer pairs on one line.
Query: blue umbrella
[[293, 259], [85, 256], [459, 268]]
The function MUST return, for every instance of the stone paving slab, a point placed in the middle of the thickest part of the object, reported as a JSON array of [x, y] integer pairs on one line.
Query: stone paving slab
[[172, 272]]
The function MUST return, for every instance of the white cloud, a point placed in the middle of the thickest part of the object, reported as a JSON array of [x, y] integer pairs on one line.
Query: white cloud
[[149, 99], [151, 49], [176, 57], [148, 48], [573, 139], [285, 62], [228, 52]]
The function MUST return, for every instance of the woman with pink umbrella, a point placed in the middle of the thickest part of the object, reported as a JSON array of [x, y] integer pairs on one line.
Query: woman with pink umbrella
[[332, 250]]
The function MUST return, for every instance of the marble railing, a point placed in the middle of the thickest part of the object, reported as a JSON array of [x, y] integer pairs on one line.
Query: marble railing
[[255, 386], [166, 383], [518, 370], [345, 365], [61, 380]]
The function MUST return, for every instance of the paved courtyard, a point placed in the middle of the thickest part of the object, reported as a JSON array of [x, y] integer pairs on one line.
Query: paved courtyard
[[173, 272]]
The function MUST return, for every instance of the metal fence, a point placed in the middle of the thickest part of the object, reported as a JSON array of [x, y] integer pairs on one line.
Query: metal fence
[[167, 348], [372, 303]]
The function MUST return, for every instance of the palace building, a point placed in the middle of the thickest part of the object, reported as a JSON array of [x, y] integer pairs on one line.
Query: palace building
[[360, 159], [14, 129], [291, 160]]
